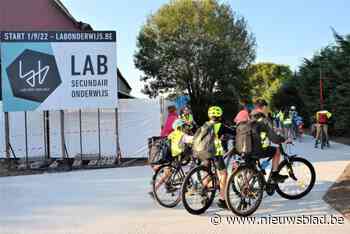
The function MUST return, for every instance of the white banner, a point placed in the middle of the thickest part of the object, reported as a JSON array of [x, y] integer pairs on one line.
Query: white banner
[[58, 70]]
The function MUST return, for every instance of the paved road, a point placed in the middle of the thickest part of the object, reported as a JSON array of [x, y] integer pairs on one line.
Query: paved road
[[115, 201]]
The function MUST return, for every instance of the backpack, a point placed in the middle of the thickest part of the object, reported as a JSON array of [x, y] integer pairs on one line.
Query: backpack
[[204, 142], [159, 151], [244, 138], [322, 118]]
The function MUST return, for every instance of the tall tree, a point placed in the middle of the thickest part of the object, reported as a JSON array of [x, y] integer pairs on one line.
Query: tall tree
[[200, 48], [265, 79], [332, 65]]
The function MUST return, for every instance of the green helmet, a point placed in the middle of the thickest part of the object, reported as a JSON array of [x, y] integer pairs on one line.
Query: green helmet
[[215, 111]]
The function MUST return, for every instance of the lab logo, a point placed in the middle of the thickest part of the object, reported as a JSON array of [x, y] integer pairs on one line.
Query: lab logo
[[33, 75]]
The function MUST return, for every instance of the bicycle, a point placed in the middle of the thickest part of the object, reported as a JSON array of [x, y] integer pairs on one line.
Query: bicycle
[[171, 175], [201, 184], [245, 187]]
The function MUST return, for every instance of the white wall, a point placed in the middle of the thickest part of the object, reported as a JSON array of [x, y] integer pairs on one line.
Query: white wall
[[139, 119]]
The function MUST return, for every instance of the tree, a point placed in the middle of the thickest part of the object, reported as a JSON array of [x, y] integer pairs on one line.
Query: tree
[[332, 64], [265, 79], [200, 48]]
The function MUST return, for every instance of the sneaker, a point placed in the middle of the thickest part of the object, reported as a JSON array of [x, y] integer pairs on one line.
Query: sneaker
[[222, 204], [277, 178]]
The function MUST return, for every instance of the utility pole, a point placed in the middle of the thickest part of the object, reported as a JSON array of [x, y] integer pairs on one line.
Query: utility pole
[[321, 89]]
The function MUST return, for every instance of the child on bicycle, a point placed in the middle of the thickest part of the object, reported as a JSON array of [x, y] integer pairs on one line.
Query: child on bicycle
[[178, 139], [215, 114], [265, 133]]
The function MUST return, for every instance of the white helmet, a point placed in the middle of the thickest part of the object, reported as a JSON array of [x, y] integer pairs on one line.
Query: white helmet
[[293, 108]]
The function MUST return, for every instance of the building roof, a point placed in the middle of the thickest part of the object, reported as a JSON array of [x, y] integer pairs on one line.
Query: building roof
[[119, 74], [81, 25]]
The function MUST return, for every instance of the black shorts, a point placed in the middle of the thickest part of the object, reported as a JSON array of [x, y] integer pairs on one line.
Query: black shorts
[[268, 152]]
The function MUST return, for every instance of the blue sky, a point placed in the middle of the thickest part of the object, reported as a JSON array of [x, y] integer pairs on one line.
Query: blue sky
[[286, 30]]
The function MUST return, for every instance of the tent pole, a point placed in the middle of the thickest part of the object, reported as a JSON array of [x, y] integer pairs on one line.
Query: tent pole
[[63, 144], [7, 135], [99, 132], [26, 137], [80, 136], [118, 153]]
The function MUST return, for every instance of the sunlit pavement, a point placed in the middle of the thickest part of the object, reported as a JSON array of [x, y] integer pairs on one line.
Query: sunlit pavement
[[116, 201]]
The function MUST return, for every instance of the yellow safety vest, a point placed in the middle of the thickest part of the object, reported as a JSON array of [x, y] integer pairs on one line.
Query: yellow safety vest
[[265, 142], [280, 116], [329, 114], [218, 144], [175, 140], [288, 120], [187, 118]]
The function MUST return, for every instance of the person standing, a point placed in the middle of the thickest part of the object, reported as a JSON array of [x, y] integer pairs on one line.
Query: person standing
[[322, 119]]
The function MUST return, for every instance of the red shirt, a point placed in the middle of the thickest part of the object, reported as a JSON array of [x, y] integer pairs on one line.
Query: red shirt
[[242, 116], [168, 127]]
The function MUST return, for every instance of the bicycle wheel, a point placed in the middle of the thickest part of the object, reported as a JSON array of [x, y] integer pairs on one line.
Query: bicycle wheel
[[302, 177], [198, 190], [244, 191], [166, 185]]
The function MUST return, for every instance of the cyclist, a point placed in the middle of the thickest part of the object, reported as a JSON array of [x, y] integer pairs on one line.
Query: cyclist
[[279, 120], [264, 133], [166, 130], [243, 115], [300, 125], [293, 114], [215, 115], [172, 116], [178, 139], [287, 124], [187, 117], [322, 118]]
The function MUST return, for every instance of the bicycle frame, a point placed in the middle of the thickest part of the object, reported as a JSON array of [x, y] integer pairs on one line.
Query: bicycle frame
[[178, 168], [255, 164], [212, 168]]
